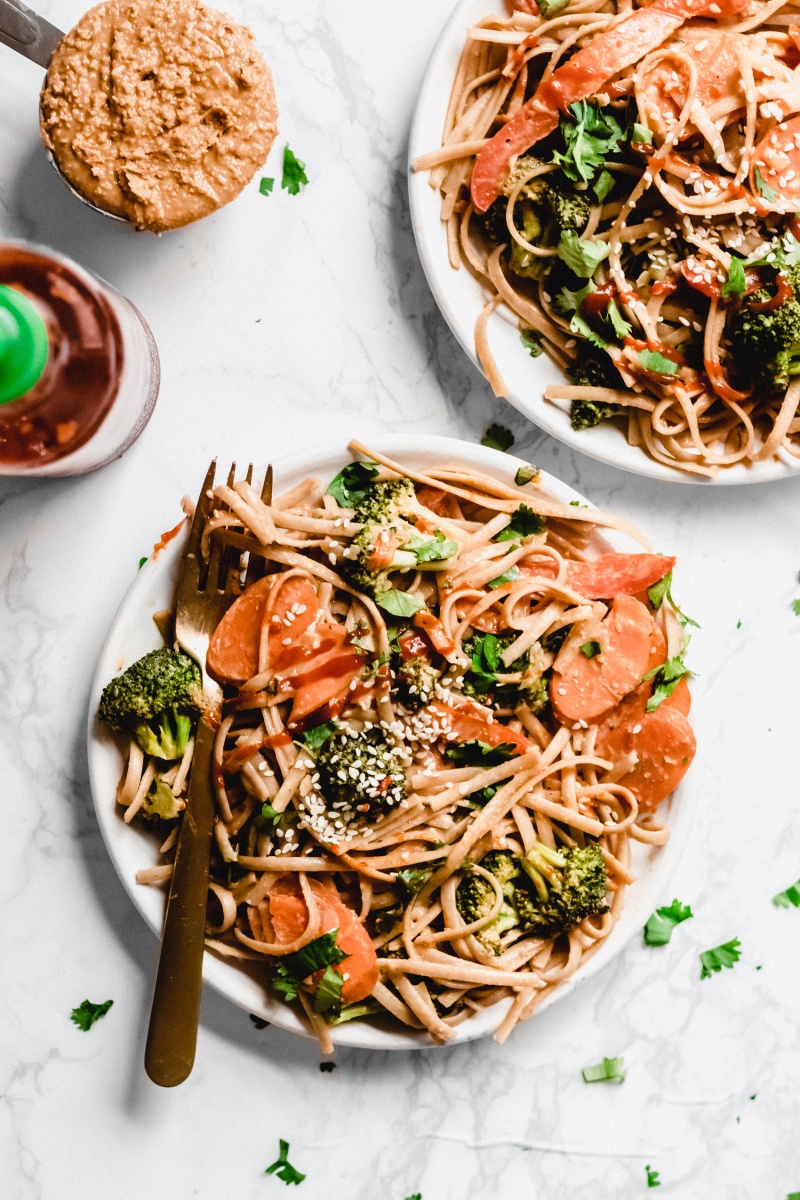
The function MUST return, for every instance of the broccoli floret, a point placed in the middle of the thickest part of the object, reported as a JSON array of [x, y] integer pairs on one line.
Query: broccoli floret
[[546, 206], [415, 680], [481, 682], [360, 774], [383, 511], [156, 700], [766, 345], [568, 885], [475, 897], [160, 802], [594, 370]]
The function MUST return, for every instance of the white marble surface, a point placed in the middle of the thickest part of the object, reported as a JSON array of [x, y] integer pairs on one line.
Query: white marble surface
[[304, 317]]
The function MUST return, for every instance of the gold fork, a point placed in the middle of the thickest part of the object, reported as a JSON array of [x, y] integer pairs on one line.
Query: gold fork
[[204, 594]]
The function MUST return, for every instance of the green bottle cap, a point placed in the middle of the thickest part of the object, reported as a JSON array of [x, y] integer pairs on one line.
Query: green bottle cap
[[24, 344]]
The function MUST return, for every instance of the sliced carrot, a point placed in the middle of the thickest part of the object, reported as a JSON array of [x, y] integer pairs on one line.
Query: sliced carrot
[[444, 504], [289, 916], [463, 725], [617, 574], [665, 745], [715, 54], [621, 46], [777, 160], [293, 608], [591, 687], [233, 651], [323, 684]]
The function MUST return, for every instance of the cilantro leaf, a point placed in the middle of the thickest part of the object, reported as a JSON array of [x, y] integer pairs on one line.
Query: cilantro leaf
[[294, 173], [266, 186], [603, 185], [609, 1068], [269, 815], [796, 607], [582, 255], [486, 654], [399, 604], [764, 189], [524, 523], [507, 577], [641, 135], [658, 930], [292, 969], [651, 360], [721, 956], [652, 1177], [583, 329], [283, 1168], [663, 588], [351, 1012], [497, 437], [591, 649], [480, 754], [567, 301], [666, 678], [590, 135], [350, 485], [413, 878], [142, 561], [789, 898], [734, 285], [328, 996], [621, 327], [87, 1013], [548, 8], [316, 737], [532, 341], [433, 549], [526, 474]]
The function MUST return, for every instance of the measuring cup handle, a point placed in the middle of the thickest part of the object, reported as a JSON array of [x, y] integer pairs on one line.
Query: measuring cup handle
[[26, 32]]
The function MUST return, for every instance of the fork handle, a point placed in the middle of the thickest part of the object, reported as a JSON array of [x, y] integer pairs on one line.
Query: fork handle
[[174, 1016]]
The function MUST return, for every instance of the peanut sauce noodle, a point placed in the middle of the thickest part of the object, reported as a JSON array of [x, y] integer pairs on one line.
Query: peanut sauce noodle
[[706, 169], [386, 846]]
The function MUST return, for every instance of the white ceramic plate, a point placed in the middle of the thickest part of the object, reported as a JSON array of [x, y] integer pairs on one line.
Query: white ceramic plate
[[133, 633], [461, 298]]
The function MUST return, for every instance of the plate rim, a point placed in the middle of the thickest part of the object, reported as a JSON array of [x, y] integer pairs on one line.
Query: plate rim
[[149, 902], [444, 283]]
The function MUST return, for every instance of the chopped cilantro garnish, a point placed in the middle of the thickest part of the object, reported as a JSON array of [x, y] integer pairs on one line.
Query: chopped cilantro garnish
[[734, 285], [433, 549], [666, 678], [641, 135], [567, 301], [316, 737], [283, 1168], [328, 996], [524, 523], [796, 607], [590, 135], [548, 8], [269, 815], [292, 969], [591, 649], [621, 327], [399, 604], [658, 930], [351, 1012], [658, 591], [532, 341], [603, 185], [266, 186], [721, 956], [789, 898], [609, 1068], [582, 255], [652, 1177], [294, 173], [480, 754], [583, 329], [507, 577], [349, 486], [497, 437], [651, 360], [142, 561], [486, 656], [763, 188], [412, 878], [87, 1013], [526, 474]]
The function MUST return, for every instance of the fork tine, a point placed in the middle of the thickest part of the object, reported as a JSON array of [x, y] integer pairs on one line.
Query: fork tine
[[201, 512], [266, 491]]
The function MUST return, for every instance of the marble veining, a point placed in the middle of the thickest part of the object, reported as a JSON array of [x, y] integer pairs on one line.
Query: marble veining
[[288, 318]]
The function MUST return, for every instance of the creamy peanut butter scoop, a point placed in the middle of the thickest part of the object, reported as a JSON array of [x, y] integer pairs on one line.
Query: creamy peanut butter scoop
[[158, 112]]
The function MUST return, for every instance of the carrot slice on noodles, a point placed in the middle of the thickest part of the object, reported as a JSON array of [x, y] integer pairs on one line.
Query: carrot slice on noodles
[[233, 651], [665, 745], [617, 574], [462, 725], [777, 160]]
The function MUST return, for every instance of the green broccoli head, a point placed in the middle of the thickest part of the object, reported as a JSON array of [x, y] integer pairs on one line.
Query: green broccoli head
[[383, 513], [568, 886], [156, 700], [594, 369], [546, 207], [414, 680], [359, 773], [475, 897], [160, 804], [766, 345]]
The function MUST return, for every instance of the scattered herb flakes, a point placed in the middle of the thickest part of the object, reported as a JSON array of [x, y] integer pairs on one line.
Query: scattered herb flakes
[[328, 996], [763, 188], [652, 360], [399, 604], [349, 486], [665, 679], [292, 969], [658, 930], [142, 561], [85, 1015], [796, 607], [734, 285], [283, 1168], [497, 437], [603, 185], [418, 1195], [316, 737], [583, 329], [434, 549], [480, 754], [608, 1069], [582, 255], [266, 186], [721, 956], [526, 474], [524, 523], [294, 173], [259, 1022], [641, 135], [507, 577], [793, 1196], [590, 135], [532, 341], [327, 1067], [591, 649], [738, 624], [652, 1177], [790, 898]]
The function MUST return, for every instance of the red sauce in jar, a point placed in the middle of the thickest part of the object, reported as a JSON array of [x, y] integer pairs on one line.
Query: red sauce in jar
[[79, 384]]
